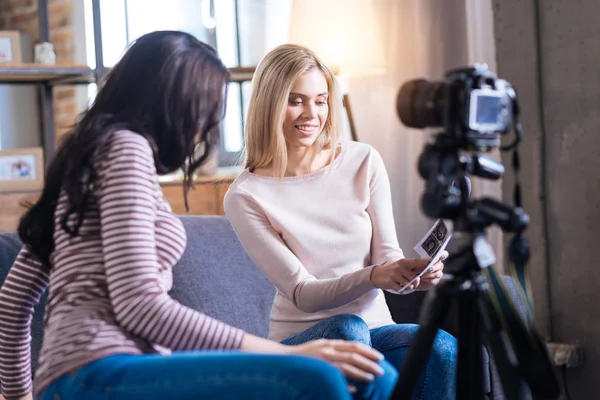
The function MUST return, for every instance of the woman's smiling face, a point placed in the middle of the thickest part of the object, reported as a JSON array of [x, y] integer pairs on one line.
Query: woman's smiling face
[[307, 109]]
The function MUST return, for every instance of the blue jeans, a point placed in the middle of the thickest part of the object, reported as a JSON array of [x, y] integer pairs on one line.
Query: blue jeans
[[202, 375], [438, 379]]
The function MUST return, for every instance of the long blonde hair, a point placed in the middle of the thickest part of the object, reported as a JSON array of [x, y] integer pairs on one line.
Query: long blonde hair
[[272, 83]]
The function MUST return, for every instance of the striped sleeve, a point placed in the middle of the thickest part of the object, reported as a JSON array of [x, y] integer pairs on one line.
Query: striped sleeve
[[127, 201], [25, 284]]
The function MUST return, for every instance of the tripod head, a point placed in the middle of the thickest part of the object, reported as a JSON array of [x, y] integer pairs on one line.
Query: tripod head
[[447, 189]]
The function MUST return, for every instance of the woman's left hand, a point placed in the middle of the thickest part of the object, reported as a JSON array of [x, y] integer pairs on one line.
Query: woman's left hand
[[432, 277]]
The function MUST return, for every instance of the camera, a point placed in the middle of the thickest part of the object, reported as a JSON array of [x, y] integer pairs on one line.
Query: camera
[[474, 108], [472, 105]]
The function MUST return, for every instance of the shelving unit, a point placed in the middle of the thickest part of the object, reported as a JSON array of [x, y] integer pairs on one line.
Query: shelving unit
[[48, 76]]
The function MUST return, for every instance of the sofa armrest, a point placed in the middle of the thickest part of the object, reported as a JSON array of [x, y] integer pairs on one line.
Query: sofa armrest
[[407, 308]]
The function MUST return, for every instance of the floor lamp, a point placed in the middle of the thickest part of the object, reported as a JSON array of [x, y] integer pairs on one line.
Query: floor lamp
[[345, 35], [348, 108]]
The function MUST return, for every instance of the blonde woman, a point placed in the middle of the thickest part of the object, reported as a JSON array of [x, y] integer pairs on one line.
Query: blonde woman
[[315, 215]]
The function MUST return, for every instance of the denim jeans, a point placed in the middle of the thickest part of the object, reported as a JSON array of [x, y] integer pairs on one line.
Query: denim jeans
[[202, 375], [438, 379]]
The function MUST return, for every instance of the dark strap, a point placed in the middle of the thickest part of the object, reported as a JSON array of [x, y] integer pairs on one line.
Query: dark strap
[[532, 358]]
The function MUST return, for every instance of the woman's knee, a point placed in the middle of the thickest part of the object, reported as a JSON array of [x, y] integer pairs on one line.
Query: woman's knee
[[349, 327], [382, 386], [444, 351], [315, 378]]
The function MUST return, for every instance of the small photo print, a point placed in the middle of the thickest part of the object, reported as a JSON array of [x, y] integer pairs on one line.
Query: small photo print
[[431, 245], [440, 231], [17, 167], [435, 240]]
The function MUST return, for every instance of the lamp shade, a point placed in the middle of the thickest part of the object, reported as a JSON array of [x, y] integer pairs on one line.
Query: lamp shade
[[345, 34]]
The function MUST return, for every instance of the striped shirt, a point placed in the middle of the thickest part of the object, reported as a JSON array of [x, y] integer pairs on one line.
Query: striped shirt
[[108, 286]]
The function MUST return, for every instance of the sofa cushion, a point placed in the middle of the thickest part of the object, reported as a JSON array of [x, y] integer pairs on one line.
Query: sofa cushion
[[216, 275]]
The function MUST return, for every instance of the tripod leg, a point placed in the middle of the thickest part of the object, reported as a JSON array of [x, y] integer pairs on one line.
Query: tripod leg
[[434, 308], [469, 380], [505, 360]]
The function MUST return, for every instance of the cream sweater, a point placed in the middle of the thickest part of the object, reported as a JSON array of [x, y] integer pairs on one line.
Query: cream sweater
[[317, 237]]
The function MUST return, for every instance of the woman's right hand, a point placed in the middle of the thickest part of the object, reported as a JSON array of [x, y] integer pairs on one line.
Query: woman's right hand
[[354, 359], [395, 275]]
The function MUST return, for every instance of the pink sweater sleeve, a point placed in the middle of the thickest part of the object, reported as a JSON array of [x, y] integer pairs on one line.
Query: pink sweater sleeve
[[384, 245], [127, 201], [268, 251], [24, 286]]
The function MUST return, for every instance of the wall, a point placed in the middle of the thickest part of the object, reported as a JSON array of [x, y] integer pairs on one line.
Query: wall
[[559, 91], [22, 15], [421, 38]]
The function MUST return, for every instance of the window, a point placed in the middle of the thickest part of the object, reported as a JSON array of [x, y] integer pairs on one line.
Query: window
[[242, 31]]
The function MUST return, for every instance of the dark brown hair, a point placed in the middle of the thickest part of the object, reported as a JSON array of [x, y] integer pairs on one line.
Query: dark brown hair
[[168, 87]]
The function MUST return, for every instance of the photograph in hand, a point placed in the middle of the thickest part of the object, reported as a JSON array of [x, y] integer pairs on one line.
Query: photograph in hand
[[434, 241], [431, 246], [440, 231]]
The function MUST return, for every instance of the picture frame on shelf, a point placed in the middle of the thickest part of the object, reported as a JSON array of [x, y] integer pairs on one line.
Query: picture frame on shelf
[[21, 169], [10, 47]]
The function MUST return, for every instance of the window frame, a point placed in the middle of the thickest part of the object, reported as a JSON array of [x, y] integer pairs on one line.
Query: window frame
[[239, 74]]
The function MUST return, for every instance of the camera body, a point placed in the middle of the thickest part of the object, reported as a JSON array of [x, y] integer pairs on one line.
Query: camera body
[[471, 104], [474, 108]]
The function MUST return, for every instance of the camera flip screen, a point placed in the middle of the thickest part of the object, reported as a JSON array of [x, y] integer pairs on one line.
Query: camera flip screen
[[486, 111]]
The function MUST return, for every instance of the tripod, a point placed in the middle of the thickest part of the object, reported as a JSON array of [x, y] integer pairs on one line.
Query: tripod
[[518, 353], [464, 285], [475, 108]]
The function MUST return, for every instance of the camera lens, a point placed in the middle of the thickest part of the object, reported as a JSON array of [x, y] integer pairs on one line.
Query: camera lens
[[420, 103]]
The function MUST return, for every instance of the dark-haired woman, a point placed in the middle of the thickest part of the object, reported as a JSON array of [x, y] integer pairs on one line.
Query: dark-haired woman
[[103, 240]]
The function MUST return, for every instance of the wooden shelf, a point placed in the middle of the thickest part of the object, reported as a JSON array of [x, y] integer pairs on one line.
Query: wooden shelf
[[38, 73], [76, 74]]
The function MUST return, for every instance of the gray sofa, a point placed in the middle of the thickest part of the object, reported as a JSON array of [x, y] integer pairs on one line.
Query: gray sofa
[[216, 276]]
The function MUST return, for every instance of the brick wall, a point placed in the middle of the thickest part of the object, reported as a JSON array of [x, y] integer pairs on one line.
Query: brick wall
[[22, 15]]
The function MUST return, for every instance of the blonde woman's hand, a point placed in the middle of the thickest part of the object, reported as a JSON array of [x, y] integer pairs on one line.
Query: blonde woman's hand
[[394, 275], [354, 359], [433, 276]]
